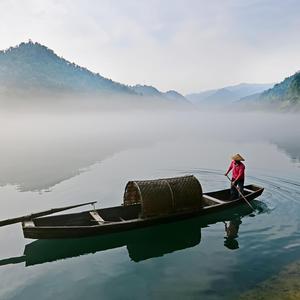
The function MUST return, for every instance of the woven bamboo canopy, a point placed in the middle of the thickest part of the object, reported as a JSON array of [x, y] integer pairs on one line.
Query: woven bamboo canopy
[[164, 196]]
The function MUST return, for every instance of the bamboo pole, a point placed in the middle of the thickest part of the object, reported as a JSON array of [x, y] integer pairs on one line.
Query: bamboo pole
[[41, 214], [240, 193]]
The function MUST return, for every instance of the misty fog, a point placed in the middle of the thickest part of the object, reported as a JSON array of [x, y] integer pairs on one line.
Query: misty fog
[[40, 150]]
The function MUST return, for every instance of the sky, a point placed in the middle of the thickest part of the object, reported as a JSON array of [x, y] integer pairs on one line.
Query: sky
[[185, 45]]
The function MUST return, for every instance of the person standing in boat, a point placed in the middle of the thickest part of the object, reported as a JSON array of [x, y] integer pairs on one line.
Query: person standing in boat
[[238, 175]]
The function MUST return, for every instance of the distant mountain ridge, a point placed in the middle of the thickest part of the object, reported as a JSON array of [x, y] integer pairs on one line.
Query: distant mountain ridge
[[150, 91], [31, 70], [222, 96], [227, 95]]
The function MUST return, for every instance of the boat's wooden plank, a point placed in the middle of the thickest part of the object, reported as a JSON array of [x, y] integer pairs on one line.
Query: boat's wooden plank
[[96, 217], [28, 223], [214, 199], [248, 190]]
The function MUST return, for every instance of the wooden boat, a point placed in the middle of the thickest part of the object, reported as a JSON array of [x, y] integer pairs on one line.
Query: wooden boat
[[145, 203], [141, 244]]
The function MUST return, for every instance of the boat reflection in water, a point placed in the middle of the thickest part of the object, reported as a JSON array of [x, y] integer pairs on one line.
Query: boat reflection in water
[[141, 244]]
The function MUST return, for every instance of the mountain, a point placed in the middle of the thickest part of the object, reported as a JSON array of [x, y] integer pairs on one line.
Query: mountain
[[146, 90], [175, 96], [222, 96], [245, 89], [150, 91], [197, 98], [33, 72], [31, 68], [283, 96], [226, 95]]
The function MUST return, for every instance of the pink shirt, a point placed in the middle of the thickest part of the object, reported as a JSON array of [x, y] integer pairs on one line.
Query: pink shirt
[[238, 170]]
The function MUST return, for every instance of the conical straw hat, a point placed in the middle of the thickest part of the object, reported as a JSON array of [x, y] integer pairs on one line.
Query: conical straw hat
[[237, 157]]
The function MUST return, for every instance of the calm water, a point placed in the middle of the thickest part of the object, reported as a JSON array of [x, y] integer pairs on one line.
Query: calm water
[[48, 161]]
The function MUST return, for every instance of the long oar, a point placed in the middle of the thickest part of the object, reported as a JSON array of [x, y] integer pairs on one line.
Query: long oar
[[12, 260], [240, 193], [41, 214]]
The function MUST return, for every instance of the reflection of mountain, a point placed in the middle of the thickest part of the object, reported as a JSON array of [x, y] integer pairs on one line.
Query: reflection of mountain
[[290, 146], [40, 151], [141, 244], [41, 163]]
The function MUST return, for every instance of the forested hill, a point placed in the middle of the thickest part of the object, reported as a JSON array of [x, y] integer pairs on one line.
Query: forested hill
[[285, 93], [33, 68], [283, 96]]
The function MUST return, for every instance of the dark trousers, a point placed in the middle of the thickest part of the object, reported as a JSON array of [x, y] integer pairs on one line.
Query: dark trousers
[[233, 191]]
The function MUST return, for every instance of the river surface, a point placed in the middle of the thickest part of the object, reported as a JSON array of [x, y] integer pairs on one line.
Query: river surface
[[55, 160]]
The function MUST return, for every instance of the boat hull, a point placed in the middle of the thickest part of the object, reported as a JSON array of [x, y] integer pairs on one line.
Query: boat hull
[[51, 231]]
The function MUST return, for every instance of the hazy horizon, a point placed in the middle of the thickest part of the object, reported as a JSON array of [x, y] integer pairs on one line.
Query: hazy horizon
[[186, 46]]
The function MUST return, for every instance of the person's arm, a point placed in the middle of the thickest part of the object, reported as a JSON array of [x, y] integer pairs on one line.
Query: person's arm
[[229, 169]]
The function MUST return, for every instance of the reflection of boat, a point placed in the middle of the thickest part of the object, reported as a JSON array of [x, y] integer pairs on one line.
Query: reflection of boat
[[145, 203], [141, 244]]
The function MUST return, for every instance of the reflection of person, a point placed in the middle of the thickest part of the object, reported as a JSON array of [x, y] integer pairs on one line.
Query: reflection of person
[[238, 175], [232, 230]]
